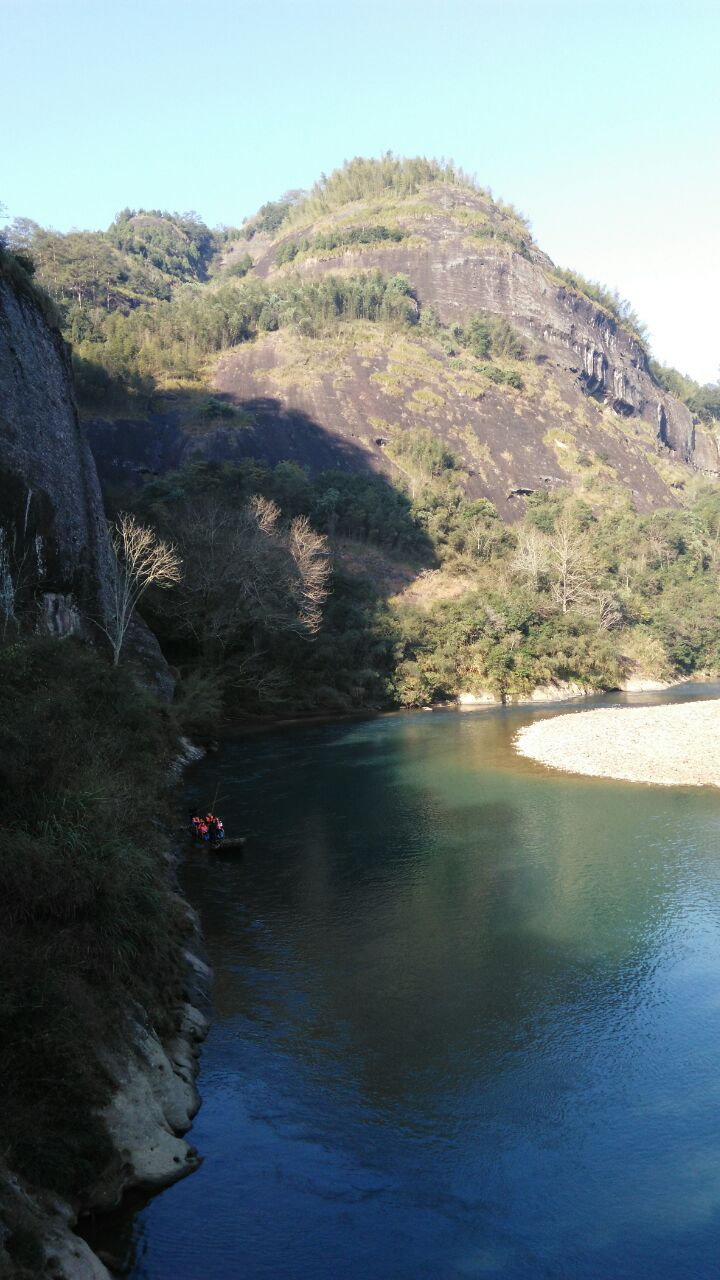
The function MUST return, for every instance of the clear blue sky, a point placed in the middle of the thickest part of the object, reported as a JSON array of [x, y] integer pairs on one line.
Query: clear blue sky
[[599, 120]]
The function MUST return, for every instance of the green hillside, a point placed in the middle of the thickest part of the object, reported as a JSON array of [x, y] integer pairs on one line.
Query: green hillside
[[510, 493], [110, 285]]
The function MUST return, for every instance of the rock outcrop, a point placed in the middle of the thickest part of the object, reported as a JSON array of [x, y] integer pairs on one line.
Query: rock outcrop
[[55, 555], [56, 572], [458, 272], [153, 1105], [589, 413]]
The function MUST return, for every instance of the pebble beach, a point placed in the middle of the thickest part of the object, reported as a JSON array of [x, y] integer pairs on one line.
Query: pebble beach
[[665, 746]]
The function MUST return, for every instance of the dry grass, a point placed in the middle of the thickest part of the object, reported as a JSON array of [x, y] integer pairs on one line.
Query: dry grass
[[434, 586]]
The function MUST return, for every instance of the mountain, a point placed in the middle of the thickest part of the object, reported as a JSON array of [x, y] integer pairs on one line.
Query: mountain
[[512, 494], [533, 378], [586, 413]]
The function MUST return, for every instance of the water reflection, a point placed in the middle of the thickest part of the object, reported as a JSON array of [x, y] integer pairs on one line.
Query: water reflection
[[468, 1020]]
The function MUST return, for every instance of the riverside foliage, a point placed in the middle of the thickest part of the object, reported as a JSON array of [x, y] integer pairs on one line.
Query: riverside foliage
[[88, 927], [565, 594]]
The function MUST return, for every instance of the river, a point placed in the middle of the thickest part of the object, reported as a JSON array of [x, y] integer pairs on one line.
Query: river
[[467, 1016]]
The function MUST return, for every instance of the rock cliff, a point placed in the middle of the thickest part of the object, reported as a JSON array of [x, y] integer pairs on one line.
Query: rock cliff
[[55, 555], [56, 570], [461, 256], [585, 410]]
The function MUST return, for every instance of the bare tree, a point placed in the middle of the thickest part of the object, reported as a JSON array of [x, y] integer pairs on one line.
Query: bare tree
[[531, 558], [571, 564], [7, 586], [142, 560], [610, 613], [662, 548], [485, 533], [21, 563], [309, 552], [247, 573]]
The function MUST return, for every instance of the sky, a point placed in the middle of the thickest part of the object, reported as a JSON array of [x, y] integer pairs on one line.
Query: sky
[[600, 120]]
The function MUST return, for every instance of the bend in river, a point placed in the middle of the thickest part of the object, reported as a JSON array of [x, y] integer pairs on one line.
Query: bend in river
[[467, 1016]]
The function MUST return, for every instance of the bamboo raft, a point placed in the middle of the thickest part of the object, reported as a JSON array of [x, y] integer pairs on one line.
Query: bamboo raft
[[231, 844]]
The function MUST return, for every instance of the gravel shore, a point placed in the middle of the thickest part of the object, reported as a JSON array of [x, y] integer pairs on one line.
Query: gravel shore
[[667, 746]]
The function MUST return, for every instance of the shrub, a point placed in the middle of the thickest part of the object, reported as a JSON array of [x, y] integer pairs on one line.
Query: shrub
[[88, 928]]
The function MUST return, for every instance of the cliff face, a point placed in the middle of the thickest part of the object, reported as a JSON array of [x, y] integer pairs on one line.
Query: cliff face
[[57, 568], [583, 412], [55, 555], [458, 271]]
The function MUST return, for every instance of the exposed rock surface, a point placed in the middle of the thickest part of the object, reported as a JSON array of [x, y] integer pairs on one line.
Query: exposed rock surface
[[56, 559], [37, 1239], [554, 691], [153, 1106], [55, 555], [590, 410], [644, 684], [458, 273]]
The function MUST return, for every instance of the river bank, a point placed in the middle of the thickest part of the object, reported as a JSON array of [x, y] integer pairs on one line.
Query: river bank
[[556, 691], [663, 746], [153, 1105], [104, 982], [424, 938]]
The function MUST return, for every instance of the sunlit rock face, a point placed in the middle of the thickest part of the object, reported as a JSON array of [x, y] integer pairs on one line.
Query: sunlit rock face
[[457, 274], [589, 413], [55, 556]]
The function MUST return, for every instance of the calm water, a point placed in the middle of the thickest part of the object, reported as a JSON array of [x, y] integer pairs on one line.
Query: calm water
[[468, 1017]]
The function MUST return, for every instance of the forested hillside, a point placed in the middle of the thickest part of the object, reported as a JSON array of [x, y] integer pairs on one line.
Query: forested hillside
[[399, 459], [387, 375]]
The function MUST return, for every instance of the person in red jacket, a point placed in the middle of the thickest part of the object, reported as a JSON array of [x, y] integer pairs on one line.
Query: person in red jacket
[[215, 827]]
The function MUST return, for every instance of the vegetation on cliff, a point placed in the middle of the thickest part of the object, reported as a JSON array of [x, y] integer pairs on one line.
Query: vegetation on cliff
[[358, 179], [89, 932], [608, 299], [19, 270], [701, 400], [171, 342]]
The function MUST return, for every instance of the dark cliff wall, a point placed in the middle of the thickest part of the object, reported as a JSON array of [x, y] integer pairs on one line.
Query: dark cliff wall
[[55, 555]]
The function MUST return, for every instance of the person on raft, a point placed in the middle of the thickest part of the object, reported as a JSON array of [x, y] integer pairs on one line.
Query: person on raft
[[198, 828], [206, 830], [215, 829]]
